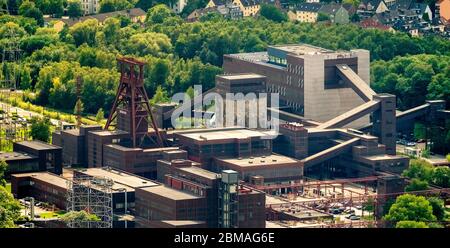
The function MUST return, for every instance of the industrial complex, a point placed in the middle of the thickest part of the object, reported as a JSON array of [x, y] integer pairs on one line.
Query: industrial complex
[[334, 151]]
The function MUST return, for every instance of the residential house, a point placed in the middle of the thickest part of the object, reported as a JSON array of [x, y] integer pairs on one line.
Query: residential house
[[197, 13], [336, 12], [368, 8], [401, 4], [248, 7], [305, 12], [90, 7], [215, 3], [136, 15], [178, 6], [423, 10], [229, 11], [351, 9]]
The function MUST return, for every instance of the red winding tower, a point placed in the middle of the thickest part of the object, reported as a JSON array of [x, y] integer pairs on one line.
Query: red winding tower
[[131, 106]]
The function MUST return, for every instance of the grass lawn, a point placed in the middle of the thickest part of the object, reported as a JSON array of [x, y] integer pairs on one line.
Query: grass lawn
[[49, 215], [8, 187]]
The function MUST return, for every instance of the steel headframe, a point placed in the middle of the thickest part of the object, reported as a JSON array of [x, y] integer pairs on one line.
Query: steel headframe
[[131, 94]]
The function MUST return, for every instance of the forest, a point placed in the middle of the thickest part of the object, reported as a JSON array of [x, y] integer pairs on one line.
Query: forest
[[181, 54]]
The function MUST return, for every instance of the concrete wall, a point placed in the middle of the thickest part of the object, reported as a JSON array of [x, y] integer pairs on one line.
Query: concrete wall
[[322, 105]]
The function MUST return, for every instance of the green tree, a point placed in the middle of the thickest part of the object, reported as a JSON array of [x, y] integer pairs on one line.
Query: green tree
[[111, 30], [271, 12], [11, 29], [438, 207], [29, 9], [416, 185], [114, 5], [56, 8], [25, 78], [412, 208], [419, 169], [79, 216], [100, 115], [410, 224], [355, 18], [79, 107], [158, 14], [74, 9], [9, 209], [3, 169], [322, 17], [85, 32], [40, 129], [160, 96], [156, 44], [419, 131], [441, 176]]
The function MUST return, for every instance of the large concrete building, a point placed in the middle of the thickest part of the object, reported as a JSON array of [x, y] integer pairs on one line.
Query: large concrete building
[[307, 77], [33, 156]]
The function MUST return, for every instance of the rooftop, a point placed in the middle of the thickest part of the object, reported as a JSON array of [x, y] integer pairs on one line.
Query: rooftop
[[271, 160], [183, 222], [223, 134], [242, 76], [108, 132], [120, 177], [74, 131], [309, 7], [199, 171], [10, 156], [46, 177], [301, 49], [170, 193], [38, 145]]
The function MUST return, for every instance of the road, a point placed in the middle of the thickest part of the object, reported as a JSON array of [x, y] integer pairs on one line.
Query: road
[[28, 114]]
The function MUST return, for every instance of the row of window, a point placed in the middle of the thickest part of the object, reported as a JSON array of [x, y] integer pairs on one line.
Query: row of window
[[272, 88]]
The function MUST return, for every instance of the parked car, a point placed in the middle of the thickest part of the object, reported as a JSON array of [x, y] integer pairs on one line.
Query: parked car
[[349, 211], [410, 143], [349, 216], [354, 217]]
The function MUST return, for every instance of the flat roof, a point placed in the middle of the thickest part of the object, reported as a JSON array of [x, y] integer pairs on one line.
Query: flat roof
[[384, 157], [208, 135], [300, 49], [123, 148], [199, 171], [46, 177], [108, 132], [170, 193], [274, 159], [120, 177], [73, 131], [183, 222], [10, 156], [242, 76], [38, 145]]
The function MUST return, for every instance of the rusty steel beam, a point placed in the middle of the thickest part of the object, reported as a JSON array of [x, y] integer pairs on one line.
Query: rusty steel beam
[[131, 94]]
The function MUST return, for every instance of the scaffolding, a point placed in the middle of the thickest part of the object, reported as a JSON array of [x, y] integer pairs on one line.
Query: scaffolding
[[92, 195]]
